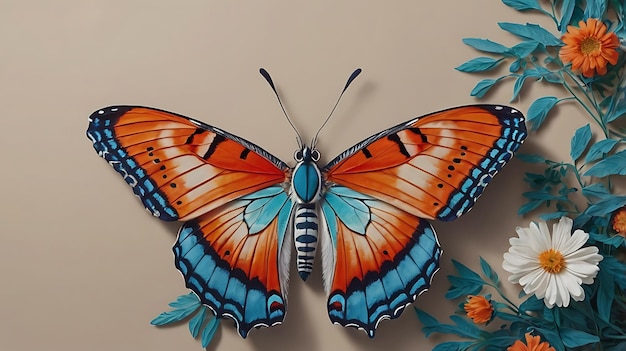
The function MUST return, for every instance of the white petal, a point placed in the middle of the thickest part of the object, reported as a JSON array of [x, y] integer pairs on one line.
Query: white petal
[[551, 293], [582, 269], [578, 239], [562, 291], [561, 233], [586, 254], [540, 240]]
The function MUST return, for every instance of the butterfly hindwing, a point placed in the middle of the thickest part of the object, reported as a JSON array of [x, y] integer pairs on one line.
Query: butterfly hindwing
[[236, 258], [434, 166], [179, 167], [380, 261]]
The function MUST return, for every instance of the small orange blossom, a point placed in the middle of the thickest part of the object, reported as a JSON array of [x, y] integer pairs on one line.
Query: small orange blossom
[[619, 221], [589, 47], [533, 343], [479, 309]]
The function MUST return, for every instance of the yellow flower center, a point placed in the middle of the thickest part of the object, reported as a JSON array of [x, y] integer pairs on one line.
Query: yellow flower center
[[551, 261], [590, 46]]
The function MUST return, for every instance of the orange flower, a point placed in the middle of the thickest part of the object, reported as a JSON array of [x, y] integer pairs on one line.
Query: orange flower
[[589, 47], [619, 221], [479, 309], [533, 343]]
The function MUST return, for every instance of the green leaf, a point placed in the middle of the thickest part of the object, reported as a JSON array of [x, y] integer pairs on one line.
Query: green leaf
[[599, 149], [486, 45], [479, 64], [579, 141], [196, 322], [483, 87], [612, 165], [576, 338], [531, 32], [539, 109], [521, 5], [209, 331]]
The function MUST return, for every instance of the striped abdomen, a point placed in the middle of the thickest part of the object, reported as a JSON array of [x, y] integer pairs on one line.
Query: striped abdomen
[[305, 237]]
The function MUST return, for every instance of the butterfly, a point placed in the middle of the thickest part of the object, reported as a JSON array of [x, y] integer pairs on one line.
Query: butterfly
[[244, 211]]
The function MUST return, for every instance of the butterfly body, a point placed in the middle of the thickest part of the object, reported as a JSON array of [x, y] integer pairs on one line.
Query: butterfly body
[[367, 211]]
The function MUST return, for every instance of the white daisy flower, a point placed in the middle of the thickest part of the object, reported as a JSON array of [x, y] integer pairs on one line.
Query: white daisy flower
[[552, 267]]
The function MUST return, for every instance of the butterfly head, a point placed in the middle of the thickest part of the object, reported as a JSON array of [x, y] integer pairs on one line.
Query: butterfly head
[[306, 154]]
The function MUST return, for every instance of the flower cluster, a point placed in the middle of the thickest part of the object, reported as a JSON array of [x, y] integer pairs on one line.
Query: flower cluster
[[573, 277]]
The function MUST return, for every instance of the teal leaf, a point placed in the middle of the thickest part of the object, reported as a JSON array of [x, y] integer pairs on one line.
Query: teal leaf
[[479, 64], [539, 109], [196, 322], [183, 307], [552, 215], [606, 206], [466, 272], [595, 8], [605, 294], [519, 83], [185, 301], [483, 87], [466, 327], [614, 241], [532, 304], [209, 331], [550, 335], [596, 190], [579, 141], [575, 338], [521, 5], [618, 104], [486, 45], [453, 346], [530, 158], [524, 48], [426, 319], [599, 149], [529, 206], [567, 10], [612, 165], [489, 272], [531, 32], [515, 65]]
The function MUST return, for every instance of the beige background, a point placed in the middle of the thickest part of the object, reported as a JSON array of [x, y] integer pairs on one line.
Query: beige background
[[84, 267]]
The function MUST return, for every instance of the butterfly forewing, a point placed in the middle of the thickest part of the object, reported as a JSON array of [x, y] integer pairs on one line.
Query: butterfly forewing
[[228, 190]]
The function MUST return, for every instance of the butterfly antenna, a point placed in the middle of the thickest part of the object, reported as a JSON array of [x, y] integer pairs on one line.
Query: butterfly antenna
[[271, 83], [350, 79]]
